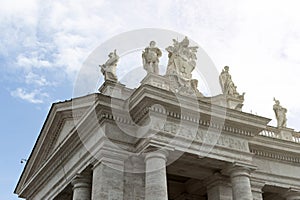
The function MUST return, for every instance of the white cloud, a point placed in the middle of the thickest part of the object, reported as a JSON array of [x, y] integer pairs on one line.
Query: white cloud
[[32, 78], [259, 40], [29, 62], [34, 96]]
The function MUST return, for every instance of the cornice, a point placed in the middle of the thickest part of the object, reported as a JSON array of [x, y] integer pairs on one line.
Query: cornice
[[145, 97], [275, 154], [58, 112], [50, 165]]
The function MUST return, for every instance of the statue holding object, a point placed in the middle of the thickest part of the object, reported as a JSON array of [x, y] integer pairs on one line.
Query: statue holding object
[[280, 113], [227, 85], [151, 57], [182, 59], [109, 68]]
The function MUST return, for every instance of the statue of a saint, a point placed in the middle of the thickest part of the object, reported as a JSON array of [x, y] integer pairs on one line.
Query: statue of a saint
[[227, 85], [280, 113], [182, 59], [151, 57], [109, 68]]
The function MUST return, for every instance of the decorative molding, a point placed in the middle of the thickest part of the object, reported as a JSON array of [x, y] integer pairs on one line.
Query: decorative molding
[[206, 123], [276, 156]]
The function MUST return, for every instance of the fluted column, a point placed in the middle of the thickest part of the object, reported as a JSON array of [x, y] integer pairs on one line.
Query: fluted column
[[240, 181], [156, 176], [82, 187], [292, 194]]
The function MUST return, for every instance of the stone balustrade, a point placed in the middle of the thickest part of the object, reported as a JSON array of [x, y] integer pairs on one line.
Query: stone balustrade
[[281, 133]]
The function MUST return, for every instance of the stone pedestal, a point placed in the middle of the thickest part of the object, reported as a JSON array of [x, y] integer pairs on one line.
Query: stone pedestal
[[219, 188], [286, 133], [82, 187], [107, 182], [114, 89], [228, 101], [256, 187], [156, 176], [240, 181], [156, 81]]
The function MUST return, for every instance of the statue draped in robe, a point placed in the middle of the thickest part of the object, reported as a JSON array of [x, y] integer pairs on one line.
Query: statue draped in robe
[[280, 113], [227, 85], [151, 57], [109, 68]]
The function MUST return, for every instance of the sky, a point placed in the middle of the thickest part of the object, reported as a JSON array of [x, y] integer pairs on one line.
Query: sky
[[44, 44]]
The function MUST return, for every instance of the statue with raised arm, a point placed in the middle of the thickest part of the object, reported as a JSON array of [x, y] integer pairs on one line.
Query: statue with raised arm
[[151, 57], [109, 68], [182, 59], [280, 113], [227, 85]]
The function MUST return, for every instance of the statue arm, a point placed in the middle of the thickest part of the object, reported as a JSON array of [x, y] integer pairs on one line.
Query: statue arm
[[158, 52]]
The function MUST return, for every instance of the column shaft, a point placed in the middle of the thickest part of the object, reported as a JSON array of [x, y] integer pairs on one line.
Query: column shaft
[[107, 183], [240, 181], [156, 176], [219, 191]]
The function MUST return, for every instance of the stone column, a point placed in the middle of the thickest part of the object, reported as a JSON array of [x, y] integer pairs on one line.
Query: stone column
[[292, 194], [219, 188], [134, 178], [156, 175], [108, 181], [256, 187], [240, 181], [82, 187]]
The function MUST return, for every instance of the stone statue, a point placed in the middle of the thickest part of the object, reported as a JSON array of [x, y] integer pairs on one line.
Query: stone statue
[[151, 57], [227, 85], [280, 113], [182, 59], [109, 68]]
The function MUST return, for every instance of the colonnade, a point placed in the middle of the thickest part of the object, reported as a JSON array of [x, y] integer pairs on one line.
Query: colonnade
[[108, 183]]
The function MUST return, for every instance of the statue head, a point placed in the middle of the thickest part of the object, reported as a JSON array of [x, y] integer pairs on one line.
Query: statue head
[[226, 68], [110, 54], [277, 102], [185, 42], [152, 44]]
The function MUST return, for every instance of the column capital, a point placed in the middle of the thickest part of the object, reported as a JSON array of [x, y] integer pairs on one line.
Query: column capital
[[81, 181], [240, 180], [292, 194], [217, 179], [239, 169], [112, 163], [257, 185], [156, 153]]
